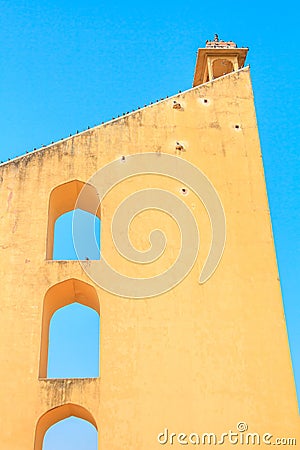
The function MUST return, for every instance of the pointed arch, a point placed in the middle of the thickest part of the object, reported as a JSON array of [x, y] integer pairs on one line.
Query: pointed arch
[[62, 294], [63, 199], [57, 414]]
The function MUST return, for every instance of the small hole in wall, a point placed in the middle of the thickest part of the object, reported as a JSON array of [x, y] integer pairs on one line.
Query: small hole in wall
[[204, 101], [237, 127], [184, 191]]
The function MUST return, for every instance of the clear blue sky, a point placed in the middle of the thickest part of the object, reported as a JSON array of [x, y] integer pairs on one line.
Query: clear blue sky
[[72, 64]]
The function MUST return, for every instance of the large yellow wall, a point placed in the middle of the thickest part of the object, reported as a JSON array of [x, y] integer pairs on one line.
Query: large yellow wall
[[199, 358]]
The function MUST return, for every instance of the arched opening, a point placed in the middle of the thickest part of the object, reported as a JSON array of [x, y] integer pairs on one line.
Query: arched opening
[[71, 434], [87, 247], [56, 415], [222, 67], [64, 199], [73, 343], [76, 306]]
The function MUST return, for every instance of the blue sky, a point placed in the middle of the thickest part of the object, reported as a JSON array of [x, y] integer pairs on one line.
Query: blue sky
[[69, 65]]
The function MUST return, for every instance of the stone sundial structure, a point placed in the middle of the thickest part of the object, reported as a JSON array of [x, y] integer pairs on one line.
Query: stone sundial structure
[[193, 358]]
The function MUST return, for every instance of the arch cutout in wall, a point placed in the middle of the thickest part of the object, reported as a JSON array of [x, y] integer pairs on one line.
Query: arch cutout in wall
[[87, 247], [222, 67], [57, 414], [63, 199], [60, 295]]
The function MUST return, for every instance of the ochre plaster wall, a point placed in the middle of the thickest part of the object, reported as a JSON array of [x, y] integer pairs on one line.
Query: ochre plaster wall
[[199, 358]]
